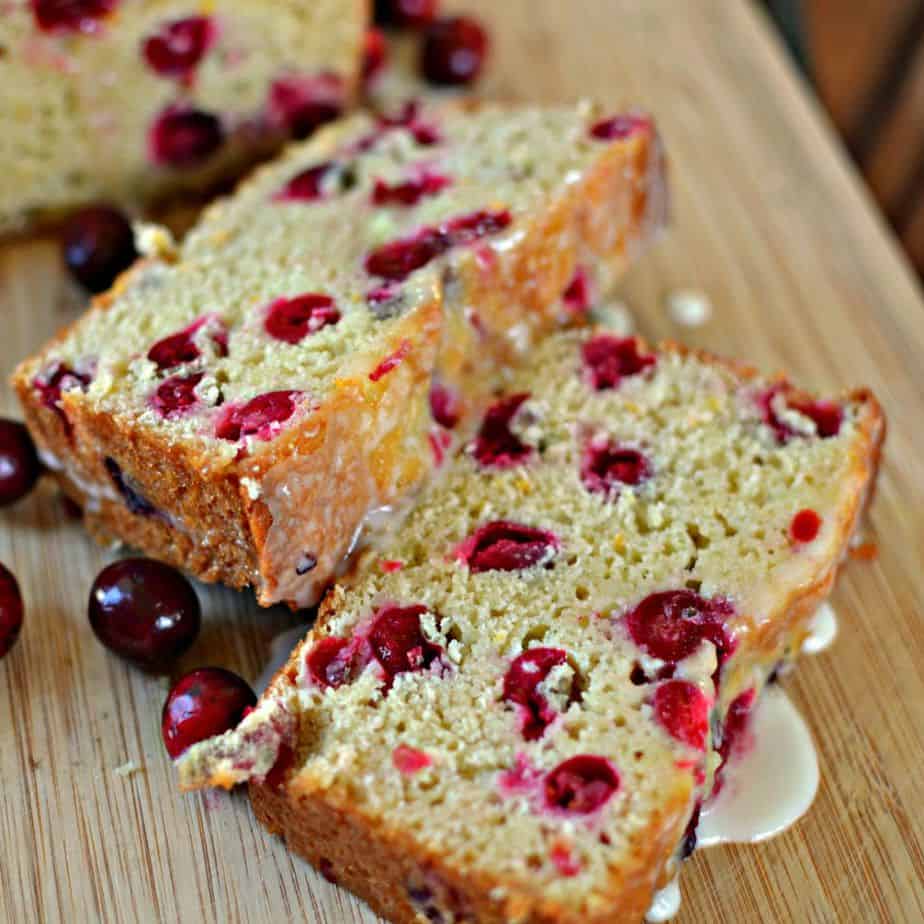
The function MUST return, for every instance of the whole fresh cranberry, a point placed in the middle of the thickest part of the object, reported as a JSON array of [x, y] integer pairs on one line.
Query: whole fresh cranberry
[[144, 610], [71, 15], [454, 51], [205, 702], [405, 14], [10, 610], [98, 243], [19, 464]]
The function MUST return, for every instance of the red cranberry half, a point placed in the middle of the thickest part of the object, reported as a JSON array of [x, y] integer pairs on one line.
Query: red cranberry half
[[144, 610], [683, 710], [184, 137], [405, 14], [330, 661], [505, 546], [306, 186], [672, 624], [98, 243], [521, 684], [293, 319], [608, 360], [606, 466], [11, 610], [19, 464], [176, 49], [454, 51], [619, 127], [53, 381], [826, 415], [302, 104], [71, 15], [261, 417], [410, 192], [496, 445], [182, 347], [398, 642], [177, 395], [396, 260], [204, 703], [805, 526], [581, 785]]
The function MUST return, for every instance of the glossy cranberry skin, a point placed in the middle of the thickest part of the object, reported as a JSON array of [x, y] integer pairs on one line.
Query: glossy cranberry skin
[[261, 417], [405, 14], [454, 51], [293, 319], [144, 610], [581, 785], [19, 464], [97, 243], [205, 702], [184, 137], [71, 15], [398, 642], [11, 610]]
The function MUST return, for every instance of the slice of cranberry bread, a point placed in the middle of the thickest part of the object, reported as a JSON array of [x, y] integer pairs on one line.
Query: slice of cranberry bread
[[131, 100], [515, 711], [238, 406]]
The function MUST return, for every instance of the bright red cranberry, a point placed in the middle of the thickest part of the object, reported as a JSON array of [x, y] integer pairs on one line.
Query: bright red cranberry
[[805, 526], [521, 684], [330, 661], [411, 191], [307, 185], [619, 127], [607, 466], [826, 415], [134, 500], [182, 347], [177, 395], [396, 260], [410, 760], [445, 405], [609, 359], [505, 546], [405, 14], [144, 610], [19, 464], [672, 624], [398, 642], [261, 417], [683, 710], [184, 137], [53, 381], [11, 610], [98, 243], [375, 55], [581, 785], [71, 15], [733, 731], [178, 46], [496, 445], [293, 319], [302, 104], [205, 702], [391, 362], [454, 51], [577, 297]]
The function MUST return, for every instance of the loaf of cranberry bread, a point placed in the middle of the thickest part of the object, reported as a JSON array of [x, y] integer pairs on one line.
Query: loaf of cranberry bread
[[238, 406], [516, 709], [132, 100]]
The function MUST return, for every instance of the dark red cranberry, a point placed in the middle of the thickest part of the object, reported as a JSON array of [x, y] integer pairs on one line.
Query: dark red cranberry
[[178, 46], [688, 844], [505, 546], [683, 710], [19, 464], [521, 684], [733, 731], [607, 466], [11, 610], [496, 445], [176, 395], [466, 229], [184, 137], [204, 703], [577, 297], [581, 785], [396, 260], [408, 117], [454, 51], [53, 381], [330, 661], [375, 55], [405, 14], [144, 610], [98, 243], [181, 347], [71, 15], [805, 526], [445, 405], [826, 415], [285, 761], [306, 186], [619, 127], [302, 104], [398, 642], [409, 192], [262, 416], [293, 319], [134, 500], [609, 359], [672, 624]]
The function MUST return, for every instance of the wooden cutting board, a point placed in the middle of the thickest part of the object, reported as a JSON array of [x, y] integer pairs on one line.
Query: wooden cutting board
[[770, 223]]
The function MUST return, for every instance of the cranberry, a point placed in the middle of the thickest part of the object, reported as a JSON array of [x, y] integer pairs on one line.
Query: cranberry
[[805, 526], [688, 844], [396, 260], [581, 784], [176, 49], [182, 136], [391, 362], [405, 14], [577, 297], [411, 191], [293, 319], [564, 859], [672, 624], [53, 381], [10, 610], [398, 643], [98, 243], [135, 501], [408, 117], [826, 415], [410, 760], [19, 464], [205, 702], [375, 55], [683, 709], [306, 186], [608, 465], [71, 15], [619, 127], [521, 684], [262, 416], [733, 731], [181, 347], [466, 229], [608, 360], [144, 610], [445, 405], [505, 546], [302, 104], [285, 761], [496, 445], [176, 395], [454, 51], [330, 661]]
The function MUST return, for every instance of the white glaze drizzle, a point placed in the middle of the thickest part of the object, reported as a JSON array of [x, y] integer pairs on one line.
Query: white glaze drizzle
[[822, 630], [665, 904]]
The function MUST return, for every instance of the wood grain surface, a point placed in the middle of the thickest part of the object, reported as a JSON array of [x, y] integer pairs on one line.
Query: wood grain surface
[[770, 222]]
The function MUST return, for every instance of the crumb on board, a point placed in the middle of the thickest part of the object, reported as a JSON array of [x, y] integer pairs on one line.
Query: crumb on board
[[689, 307], [128, 768]]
